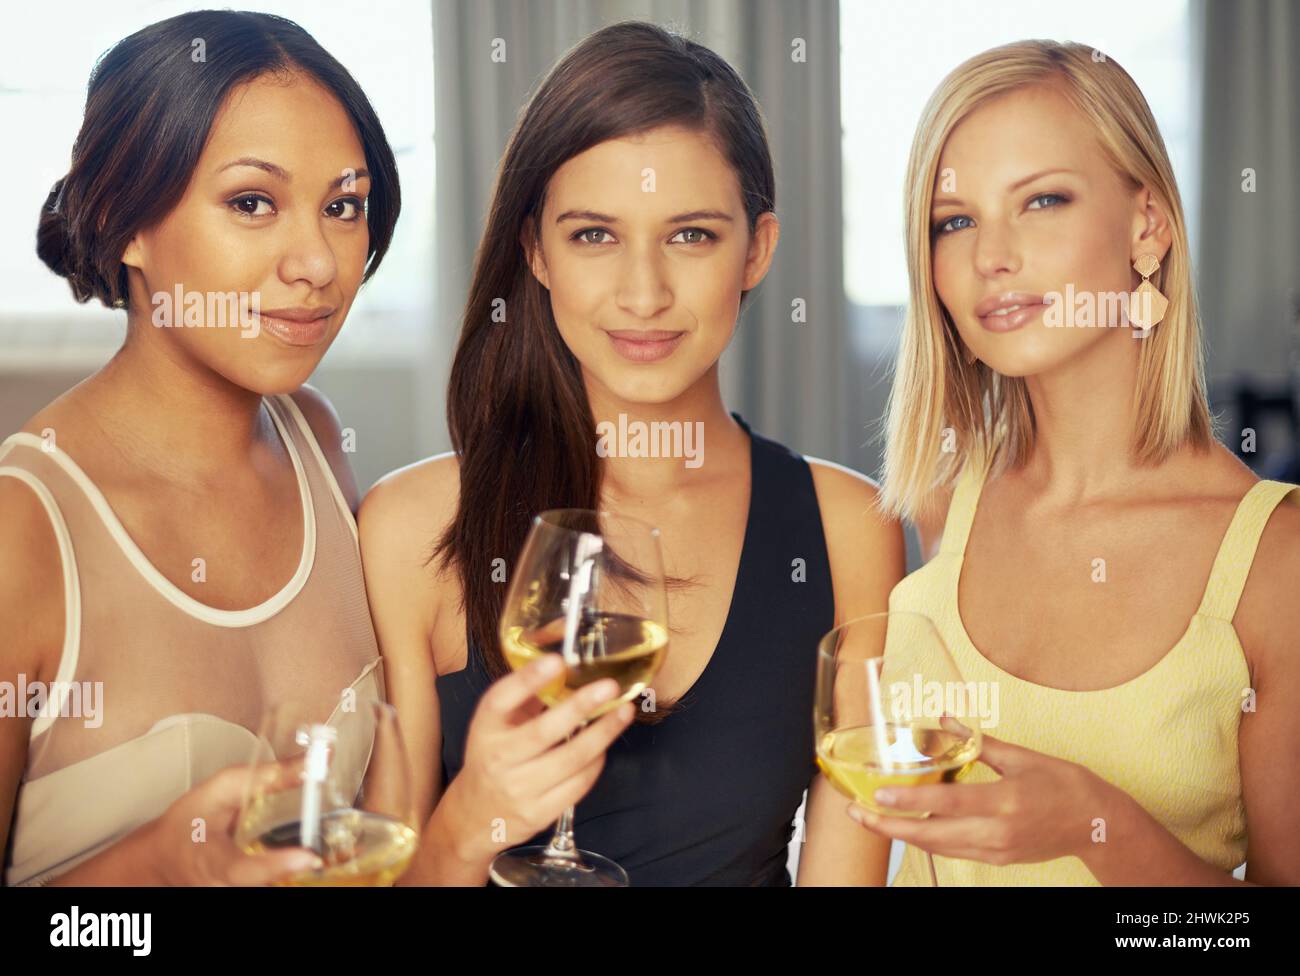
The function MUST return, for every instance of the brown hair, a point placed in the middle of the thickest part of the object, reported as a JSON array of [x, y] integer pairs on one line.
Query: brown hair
[[516, 405], [149, 109]]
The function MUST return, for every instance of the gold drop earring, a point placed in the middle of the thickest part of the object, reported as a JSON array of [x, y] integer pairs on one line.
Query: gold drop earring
[[1146, 306]]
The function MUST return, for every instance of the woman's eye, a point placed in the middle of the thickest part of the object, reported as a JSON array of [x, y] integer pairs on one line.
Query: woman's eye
[[592, 235], [694, 235], [347, 208], [250, 204], [1054, 199], [952, 224]]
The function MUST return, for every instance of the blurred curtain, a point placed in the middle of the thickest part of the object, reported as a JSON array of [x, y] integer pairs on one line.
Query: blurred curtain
[[1249, 253], [784, 376]]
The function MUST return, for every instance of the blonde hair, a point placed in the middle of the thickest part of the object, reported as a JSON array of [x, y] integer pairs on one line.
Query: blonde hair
[[989, 415]]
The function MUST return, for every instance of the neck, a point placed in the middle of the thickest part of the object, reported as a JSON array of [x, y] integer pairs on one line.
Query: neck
[[163, 403], [1085, 421], [706, 429]]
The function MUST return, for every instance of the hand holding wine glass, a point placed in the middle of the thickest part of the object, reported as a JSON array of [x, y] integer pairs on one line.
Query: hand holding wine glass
[[1042, 807], [177, 859], [884, 684], [339, 790], [525, 764], [590, 590]]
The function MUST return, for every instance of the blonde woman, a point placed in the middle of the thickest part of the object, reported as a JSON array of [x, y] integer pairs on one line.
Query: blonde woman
[[1125, 584]]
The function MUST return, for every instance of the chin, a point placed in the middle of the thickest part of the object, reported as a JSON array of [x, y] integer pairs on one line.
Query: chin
[[1020, 367], [649, 394], [1012, 366], [1029, 353], [623, 384], [269, 379]]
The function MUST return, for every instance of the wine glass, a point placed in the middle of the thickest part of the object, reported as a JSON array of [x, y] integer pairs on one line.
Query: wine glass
[[588, 586], [336, 785], [888, 703]]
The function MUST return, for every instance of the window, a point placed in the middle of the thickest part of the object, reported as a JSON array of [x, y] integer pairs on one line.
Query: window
[[389, 51]]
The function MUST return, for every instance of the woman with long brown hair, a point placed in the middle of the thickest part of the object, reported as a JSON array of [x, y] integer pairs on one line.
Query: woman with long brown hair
[[633, 212]]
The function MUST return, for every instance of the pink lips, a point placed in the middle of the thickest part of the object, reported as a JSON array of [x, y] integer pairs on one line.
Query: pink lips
[[1008, 311], [645, 347], [299, 325]]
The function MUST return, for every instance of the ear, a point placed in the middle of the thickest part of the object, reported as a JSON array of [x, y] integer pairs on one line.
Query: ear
[[133, 256], [762, 248], [1151, 231], [533, 252]]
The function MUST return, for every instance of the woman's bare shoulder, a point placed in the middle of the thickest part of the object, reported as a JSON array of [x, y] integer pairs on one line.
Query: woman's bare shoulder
[[401, 521], [404, 515], [65, 415], [425, 492], [847, 492], [31, 583], [1268, 615], [863, 542]]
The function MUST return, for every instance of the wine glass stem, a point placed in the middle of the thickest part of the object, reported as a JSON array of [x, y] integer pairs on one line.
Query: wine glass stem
[[562, 844], [929, 860]]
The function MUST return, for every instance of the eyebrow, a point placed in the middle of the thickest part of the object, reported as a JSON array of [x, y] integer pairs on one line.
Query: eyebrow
[[1041, 173], [958, 202], [676, 219], [280, 173]]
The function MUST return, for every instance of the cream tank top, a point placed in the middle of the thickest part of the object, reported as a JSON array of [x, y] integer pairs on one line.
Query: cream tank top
[[156, 691], [1189, 704]]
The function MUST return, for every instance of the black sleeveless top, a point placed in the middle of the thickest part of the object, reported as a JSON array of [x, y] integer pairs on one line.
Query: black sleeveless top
[[708, 795]]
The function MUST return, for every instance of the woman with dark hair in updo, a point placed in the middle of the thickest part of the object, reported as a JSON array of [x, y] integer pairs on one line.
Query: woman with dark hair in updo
[[178, 528]]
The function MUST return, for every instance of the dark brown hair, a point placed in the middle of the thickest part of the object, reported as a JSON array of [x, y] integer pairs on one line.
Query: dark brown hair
[[517, 408], [149, 108]]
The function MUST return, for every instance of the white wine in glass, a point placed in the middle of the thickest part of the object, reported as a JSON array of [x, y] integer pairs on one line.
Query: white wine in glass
[[340, 790], [588, 586], [621, 646], [883, 684]]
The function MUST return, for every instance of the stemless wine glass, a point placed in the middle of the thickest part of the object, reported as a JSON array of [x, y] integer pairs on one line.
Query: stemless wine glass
[[336, 785], [588, 586], [889, 704]]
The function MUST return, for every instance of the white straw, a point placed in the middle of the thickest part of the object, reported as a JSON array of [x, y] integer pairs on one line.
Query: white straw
[[589, 546], [318, 739], [883, 751]]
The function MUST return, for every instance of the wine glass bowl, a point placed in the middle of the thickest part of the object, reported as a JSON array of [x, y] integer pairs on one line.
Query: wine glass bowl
[[891, 709], [339, 787], [610, 645]]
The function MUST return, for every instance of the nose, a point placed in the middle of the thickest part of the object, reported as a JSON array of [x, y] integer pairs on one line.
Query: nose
[[996, 249], [643, 289], [308, 255]]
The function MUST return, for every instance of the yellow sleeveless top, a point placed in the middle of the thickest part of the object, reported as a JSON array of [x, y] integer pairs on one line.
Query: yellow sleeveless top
[[1189, 703]]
